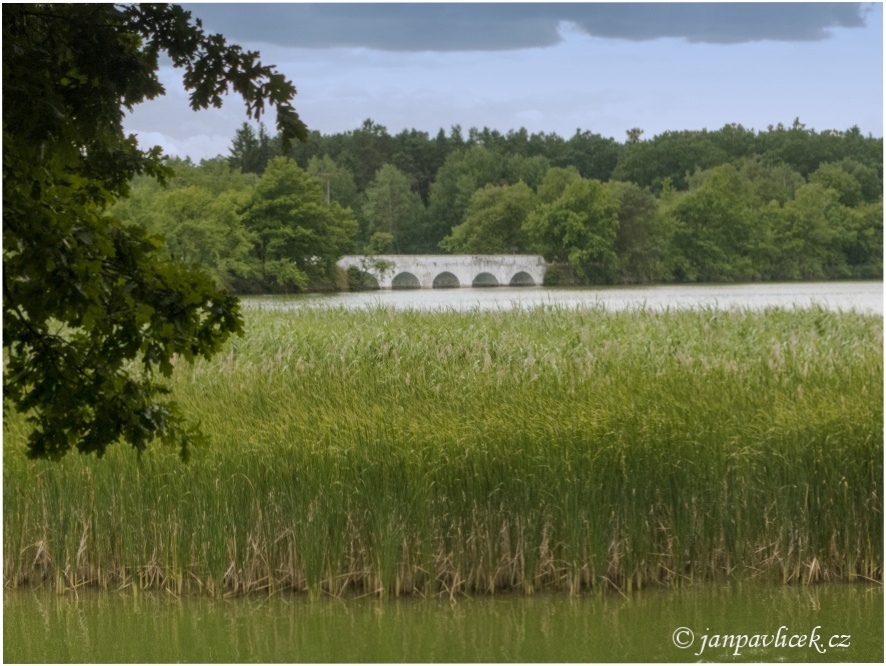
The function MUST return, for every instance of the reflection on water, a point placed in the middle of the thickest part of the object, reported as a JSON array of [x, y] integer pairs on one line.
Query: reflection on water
[[859, 296], [118, 627]]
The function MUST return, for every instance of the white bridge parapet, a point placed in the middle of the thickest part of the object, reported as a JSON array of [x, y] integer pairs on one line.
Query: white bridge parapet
[[434, 271]]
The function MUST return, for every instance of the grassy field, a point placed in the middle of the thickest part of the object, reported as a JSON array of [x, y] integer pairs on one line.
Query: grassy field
[[394, 452]]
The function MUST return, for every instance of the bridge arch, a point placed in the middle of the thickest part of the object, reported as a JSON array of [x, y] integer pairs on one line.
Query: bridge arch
[[362, 280], [522, 279], [446, 280], [405, 280], [485, 280]]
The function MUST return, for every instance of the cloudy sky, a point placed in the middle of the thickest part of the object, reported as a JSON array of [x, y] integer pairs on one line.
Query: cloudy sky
[[602, 67]]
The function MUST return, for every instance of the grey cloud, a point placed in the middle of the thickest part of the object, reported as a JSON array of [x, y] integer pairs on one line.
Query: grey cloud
[[496, 27], [720, 23]]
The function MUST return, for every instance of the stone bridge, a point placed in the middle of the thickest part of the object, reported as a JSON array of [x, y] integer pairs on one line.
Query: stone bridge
[[436, 271]]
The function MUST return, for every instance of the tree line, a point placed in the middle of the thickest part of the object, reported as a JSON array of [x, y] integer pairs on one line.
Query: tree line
[[734, 204]]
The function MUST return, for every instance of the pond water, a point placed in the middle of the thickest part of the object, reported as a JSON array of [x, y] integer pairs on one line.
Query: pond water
[[710, 623], [861, 296]]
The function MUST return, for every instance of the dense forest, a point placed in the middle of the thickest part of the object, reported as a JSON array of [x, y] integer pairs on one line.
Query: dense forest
[[734, 204]]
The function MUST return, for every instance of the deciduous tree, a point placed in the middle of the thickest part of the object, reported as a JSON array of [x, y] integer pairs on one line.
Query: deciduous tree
[[579, 228], [642, 242], [494, 221], [93, 309], [297, 237]]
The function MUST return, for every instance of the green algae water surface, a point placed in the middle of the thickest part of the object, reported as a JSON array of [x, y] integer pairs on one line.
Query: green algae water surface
[[710, 623]]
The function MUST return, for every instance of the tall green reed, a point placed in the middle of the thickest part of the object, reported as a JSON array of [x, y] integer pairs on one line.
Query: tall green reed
[[385, 452]]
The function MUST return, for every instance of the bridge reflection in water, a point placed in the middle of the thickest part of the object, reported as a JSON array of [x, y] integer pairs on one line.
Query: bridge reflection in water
[[441, 271]]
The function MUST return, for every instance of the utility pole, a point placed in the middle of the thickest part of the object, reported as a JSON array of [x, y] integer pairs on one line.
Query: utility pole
[[328, 175]]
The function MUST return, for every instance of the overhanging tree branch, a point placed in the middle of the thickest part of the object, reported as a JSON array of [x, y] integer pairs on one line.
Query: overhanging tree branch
[[69, 71]]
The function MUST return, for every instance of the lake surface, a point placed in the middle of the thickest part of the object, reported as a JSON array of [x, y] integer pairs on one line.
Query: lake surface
[[833, 623], [864, 296]]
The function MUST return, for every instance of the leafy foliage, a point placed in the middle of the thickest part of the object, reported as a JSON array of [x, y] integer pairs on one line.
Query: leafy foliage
[[93, 309], [641, 241], [494, 221], [579, 227], [728, 221], [656, 239], [465, 172], [296, 236], [338, 182], [715, 227], [392, 208], [808, 234], [251, 151]]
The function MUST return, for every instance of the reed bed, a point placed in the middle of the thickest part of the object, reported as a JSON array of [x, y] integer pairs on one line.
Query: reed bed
[[394, 452]]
